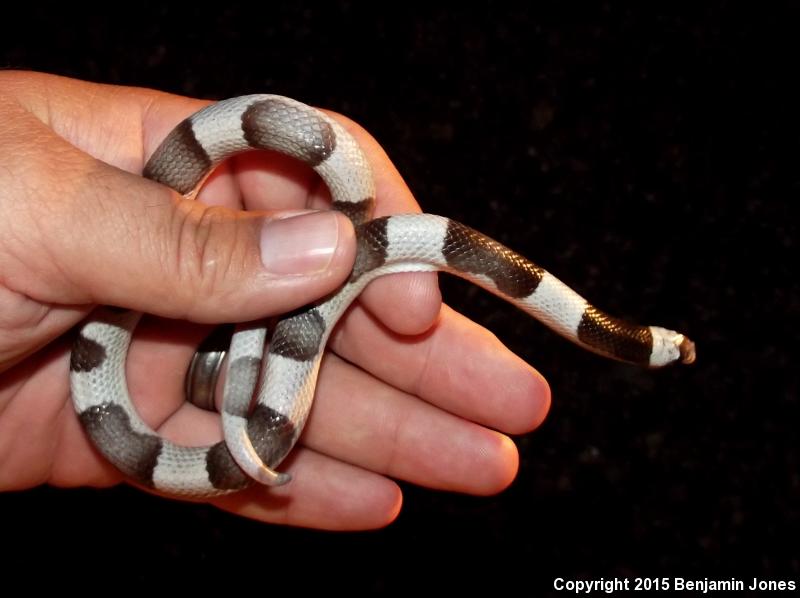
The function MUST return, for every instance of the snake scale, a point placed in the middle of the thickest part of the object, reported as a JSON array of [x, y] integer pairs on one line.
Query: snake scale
[[269, 392]]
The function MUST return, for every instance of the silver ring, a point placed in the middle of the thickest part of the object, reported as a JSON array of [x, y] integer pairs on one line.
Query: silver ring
[[201, 379]]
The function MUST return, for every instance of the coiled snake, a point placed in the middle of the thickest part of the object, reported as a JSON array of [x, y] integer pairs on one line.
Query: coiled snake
[[257, 439]]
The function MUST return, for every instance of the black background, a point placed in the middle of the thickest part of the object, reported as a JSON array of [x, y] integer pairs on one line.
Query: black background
[[647, 156]]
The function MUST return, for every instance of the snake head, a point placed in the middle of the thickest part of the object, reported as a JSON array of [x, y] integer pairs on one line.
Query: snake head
[[670, 347]]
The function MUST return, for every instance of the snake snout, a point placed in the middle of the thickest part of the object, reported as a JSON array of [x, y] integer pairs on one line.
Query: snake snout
[[687, 350]]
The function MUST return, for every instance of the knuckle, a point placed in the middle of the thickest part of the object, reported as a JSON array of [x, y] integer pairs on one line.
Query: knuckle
[[209, 254]]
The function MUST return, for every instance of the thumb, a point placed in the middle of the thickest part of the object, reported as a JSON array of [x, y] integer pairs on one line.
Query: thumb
[[126, 241]]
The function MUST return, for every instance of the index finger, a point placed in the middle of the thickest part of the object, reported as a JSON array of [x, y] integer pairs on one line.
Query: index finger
[[405, 303]]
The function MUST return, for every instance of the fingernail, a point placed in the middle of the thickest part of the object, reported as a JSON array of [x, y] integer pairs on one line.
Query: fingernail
[[301, 244]]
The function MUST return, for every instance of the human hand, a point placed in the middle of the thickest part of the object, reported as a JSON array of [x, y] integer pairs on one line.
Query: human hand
[[409, 388]]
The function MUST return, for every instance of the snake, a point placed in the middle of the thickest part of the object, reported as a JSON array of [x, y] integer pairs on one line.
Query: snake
[[271, 372]]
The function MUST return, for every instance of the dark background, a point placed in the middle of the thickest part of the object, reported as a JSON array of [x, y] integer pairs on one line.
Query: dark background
[[647, 156]]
